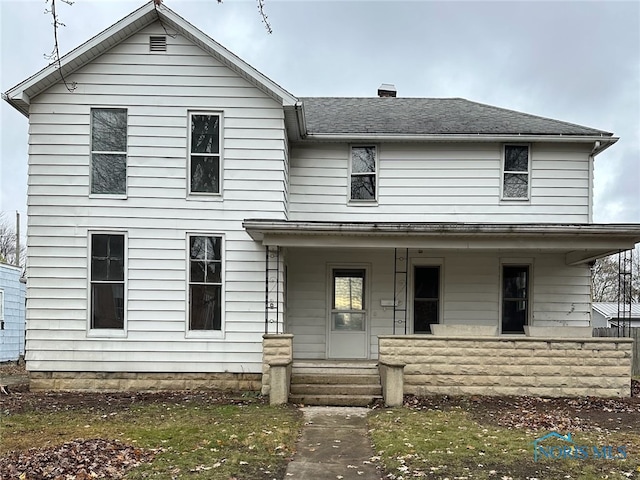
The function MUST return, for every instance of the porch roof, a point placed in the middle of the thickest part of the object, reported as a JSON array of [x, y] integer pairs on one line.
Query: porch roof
[[579, 242]]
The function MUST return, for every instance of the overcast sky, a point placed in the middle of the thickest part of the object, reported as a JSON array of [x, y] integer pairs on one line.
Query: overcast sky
[[575, 61]]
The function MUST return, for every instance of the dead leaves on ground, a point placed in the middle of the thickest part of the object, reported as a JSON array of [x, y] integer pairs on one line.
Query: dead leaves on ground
[[77, 460]]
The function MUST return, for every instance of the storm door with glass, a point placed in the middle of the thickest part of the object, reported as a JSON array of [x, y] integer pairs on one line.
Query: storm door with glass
[[348, 317]]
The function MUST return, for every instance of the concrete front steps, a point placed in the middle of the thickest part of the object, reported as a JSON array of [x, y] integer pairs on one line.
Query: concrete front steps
[[335, 383]]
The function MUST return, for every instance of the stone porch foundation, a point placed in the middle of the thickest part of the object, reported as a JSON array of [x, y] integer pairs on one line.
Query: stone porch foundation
[[549, 367], [123, 381]]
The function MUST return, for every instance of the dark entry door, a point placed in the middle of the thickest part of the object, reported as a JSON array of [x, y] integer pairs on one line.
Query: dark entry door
[[426, 301]]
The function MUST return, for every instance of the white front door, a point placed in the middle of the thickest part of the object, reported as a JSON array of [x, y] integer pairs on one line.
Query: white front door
[[348, 322]]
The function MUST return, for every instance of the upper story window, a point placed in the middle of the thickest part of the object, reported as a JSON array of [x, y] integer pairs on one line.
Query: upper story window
[[109, 151], [364, 173], [516, 172], [204, 153], [205, 283], [107, 281]]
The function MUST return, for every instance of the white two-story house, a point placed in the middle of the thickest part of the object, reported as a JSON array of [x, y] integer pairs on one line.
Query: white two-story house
[[182, 205]]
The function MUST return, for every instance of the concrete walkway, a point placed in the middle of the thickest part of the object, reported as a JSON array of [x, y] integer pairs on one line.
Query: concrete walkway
[[334, 445]]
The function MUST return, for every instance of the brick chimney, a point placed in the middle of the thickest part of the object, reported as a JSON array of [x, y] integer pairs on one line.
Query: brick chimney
[[387, 90]]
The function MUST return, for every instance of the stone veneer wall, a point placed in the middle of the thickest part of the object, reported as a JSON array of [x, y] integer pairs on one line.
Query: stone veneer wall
[[123, 381], [275, 347], [550, 367]]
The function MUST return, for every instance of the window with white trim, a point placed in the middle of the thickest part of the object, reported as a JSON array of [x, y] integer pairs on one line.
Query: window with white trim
[[364, 173], [516, 172], [515, 298], [107, 281], [205, 283], [109, 151], [205, 153]]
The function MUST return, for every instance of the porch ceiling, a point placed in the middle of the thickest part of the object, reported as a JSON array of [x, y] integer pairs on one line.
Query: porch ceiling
[[579, 242]]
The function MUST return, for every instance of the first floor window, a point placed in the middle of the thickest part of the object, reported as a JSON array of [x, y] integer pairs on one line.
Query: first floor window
[[347, 309], [363, 173], [426, 293], [204, 157], [109, 151], [205, 283], [107, 281], [515, 182], [515, 298]]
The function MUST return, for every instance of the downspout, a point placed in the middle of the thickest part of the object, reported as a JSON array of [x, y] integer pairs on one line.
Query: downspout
[[592, 155]]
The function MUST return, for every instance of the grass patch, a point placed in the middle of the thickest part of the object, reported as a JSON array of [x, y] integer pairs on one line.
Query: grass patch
[[197, 440], [451, 444]]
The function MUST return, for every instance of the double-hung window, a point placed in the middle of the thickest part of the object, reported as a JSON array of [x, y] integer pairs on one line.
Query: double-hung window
[[205, 283], [107, 281], [516, 172], [204, 153], [109, 151], [364, 173], [515, 298]]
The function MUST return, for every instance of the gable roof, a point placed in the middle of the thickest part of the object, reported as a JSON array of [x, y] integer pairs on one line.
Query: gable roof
[[20, 95], [428, 116], [609, 310]]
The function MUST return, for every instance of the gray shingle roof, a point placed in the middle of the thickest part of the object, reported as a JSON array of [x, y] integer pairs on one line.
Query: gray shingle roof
[[427, 116]]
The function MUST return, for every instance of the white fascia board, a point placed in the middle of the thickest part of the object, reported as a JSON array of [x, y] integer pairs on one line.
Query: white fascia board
[[18, 96]]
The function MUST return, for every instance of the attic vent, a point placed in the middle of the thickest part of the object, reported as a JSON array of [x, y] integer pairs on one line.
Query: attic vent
[[158, 44]]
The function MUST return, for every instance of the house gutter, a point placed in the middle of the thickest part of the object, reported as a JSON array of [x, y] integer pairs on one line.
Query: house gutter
[[605, 141]]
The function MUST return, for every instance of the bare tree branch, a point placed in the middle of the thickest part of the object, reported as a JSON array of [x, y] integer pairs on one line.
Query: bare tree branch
[[8, 243], [54, 56], [263, 15]]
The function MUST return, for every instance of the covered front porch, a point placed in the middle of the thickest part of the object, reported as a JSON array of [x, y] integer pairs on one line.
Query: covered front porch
[[447, 304]]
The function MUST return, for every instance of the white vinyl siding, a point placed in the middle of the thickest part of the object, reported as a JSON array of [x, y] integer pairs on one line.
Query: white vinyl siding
[[159, 91], [441, 182]]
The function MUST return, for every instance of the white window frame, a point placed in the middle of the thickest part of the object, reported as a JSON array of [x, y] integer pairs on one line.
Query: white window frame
[[208, 334], [100, 152], [107, 332], [503, 172], [357, 201], [206, 195], [516, 262]]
